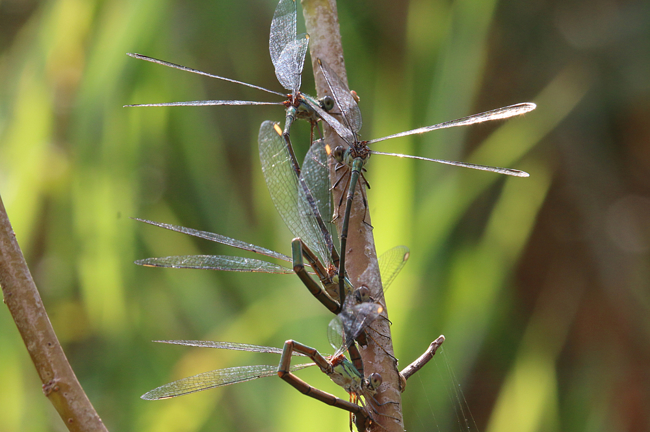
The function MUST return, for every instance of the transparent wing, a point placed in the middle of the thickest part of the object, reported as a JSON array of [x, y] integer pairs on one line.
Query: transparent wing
[[497, 114], [288, 69], [335, 333], [215, 378], [219, 239], [391, 263], [341, 130], [203, 103], [316, 173], [348, 325], [507, 171], [234, 346], [287, 191], [283, 30], [216, 262], [198, 72], [343, 98]]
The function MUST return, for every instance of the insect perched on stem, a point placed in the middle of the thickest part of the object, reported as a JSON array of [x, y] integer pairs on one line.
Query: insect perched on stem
[[351, 159]]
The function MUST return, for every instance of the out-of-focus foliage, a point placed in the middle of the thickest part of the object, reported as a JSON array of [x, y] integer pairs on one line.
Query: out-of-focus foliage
[[540, 285]]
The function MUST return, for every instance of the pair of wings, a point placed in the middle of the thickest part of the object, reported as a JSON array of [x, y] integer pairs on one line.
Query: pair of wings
[[343, 330], [287, 52], [390, 263]]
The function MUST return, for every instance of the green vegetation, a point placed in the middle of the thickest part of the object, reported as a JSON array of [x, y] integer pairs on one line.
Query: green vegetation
[[523, 277]]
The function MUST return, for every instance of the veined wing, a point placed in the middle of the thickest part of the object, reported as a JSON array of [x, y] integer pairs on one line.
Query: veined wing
[[283, 29], [288, 69], [213, 379], [316, 173], [234, 346], [496, 114], [507, 171], [341, 130], [216, 262], [354, 319], [219, 239], [287, 51], [288, 191], [343, 98], [391, 263], [350, 323], [198, 72], [204, 103]]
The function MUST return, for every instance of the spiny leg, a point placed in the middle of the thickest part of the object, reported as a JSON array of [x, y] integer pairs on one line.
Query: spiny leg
[[380, 405], [314, 124], [366, 334], [311, 133], [320, 132], [366, 405], [343, 192], [372, 384], [336, 259], [385, 336], [365, 199]]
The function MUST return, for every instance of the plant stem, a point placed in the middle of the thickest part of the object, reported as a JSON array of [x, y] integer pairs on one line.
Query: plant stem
[[21, 296], [421, 361], [322, 24]]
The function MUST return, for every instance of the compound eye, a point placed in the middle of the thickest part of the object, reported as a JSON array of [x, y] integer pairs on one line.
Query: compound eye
[[374, 380], [327, 103], [363, 294], [338, 153]]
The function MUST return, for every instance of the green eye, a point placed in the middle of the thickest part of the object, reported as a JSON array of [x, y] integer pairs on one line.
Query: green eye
[[327, 103]]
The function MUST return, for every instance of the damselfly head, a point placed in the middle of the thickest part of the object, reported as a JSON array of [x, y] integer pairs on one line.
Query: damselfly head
[[338, 153], [362, 294], [374, 381], [326, 102], [358, 151]]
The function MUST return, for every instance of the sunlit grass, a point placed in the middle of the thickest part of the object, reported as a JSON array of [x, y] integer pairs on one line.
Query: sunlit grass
[[75, 165]]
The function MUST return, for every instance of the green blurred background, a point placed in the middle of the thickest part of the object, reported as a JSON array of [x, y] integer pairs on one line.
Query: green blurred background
[[540, 285]]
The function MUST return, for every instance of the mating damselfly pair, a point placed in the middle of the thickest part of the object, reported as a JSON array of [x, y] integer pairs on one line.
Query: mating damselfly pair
[[302, 196]]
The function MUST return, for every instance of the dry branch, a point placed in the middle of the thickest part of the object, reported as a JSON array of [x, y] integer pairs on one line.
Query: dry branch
[[423, 359], [321, 21], [60, 384]]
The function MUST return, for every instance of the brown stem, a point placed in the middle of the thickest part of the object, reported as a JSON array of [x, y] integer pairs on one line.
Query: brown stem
[[60, 384], [322, 24], [423, 359]]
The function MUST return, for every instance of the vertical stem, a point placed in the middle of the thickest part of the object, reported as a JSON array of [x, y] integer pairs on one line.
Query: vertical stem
[[321, 20], [60, 384]]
